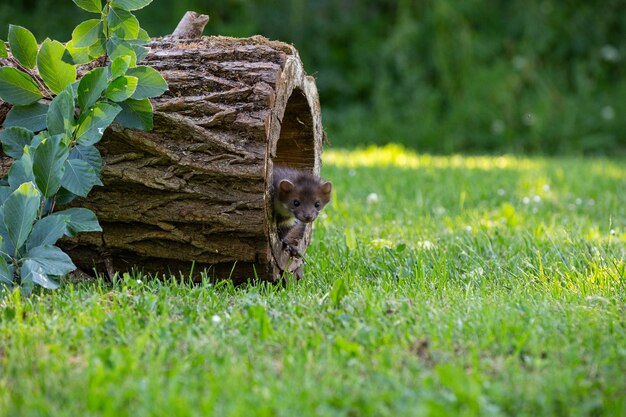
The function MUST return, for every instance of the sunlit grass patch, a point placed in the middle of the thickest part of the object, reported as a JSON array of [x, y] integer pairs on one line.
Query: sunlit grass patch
[[401, 157]]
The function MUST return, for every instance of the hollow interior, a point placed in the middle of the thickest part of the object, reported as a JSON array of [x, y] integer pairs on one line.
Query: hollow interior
[[296, 144], [295, 148]]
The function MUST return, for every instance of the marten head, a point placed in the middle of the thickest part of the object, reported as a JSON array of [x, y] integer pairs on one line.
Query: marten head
[[302, 194]]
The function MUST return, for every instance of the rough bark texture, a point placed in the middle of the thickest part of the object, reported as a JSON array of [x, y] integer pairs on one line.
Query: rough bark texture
[[195, 189]]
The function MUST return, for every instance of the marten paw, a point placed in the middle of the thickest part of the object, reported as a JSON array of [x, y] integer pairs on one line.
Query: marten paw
[[293, 250]]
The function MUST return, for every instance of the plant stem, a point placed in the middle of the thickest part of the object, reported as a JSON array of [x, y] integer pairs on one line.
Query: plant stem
[[42, 87]]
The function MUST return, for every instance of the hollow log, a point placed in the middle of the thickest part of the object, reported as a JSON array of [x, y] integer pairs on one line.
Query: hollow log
[[193, 194]]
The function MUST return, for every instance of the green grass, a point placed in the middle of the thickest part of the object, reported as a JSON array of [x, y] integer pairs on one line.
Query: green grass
[[435, 286]]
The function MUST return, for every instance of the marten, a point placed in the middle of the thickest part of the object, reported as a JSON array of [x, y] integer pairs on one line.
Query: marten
[[298, 197]]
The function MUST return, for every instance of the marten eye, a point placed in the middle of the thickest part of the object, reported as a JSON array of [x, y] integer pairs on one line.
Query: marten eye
[[296, 203], [317, 204]]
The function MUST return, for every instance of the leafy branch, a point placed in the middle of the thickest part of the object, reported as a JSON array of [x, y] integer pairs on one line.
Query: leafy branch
[[53, 127]]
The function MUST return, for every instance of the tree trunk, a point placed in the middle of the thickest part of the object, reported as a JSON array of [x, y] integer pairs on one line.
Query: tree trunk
[[193, 193]]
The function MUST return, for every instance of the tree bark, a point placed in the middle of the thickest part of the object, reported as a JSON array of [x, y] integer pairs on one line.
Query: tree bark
[[193, 194]]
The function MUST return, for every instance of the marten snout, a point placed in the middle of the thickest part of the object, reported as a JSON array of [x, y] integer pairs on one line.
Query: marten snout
[[306, 217]]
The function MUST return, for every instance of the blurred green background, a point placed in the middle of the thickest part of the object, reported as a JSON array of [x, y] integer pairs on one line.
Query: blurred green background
[[439, 76]]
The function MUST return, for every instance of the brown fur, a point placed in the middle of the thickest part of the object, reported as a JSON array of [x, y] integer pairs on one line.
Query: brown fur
[[298, 199]]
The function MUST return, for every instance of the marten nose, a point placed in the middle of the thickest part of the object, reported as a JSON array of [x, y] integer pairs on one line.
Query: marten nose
[[308, 217]]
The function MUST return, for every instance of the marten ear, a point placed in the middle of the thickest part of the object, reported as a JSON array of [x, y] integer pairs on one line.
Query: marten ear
[[327, 187], [285, 186]]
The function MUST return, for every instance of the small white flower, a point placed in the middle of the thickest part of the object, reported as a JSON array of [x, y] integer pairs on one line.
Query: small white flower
[[474, 273], [612, 232], [497, 127], [216, 319], [579, 201], [525, 200], [139, 282], [372, 198], [381, 243], [610, 53], [352, 173], [607, 113], [426, 244], [536, 199], [546, 187], [528, 119], [468, 228], [519, 62], [501, 192]]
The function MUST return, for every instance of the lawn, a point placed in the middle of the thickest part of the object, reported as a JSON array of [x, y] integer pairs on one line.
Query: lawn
[[434, 286]]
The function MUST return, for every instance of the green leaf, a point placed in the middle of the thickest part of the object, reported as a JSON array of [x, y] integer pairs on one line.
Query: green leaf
[[97, 49], [123, 23], [86, 33], [350, 237], [121, 88], [52, 260], [60, 118], [151, 83], [94, 6], [3, 50], [74, 89], [6, 277], [259, 317], [21, 171], [64, 196], [119, 66], [48, 230], [79, 177], [117, 47], [94, 122], [90, 87], [338, 292], [5, 192], [130, 4], [14, 139], [32, 271], [20, 210], [38, 139], [17, 87], [81, 220], [348, 347], [143, 35], [136, 114], [31, 117], [89, 154], [140, 52], [55, 73], [7, 248], [49, 164], [23, 45], [74, 55]]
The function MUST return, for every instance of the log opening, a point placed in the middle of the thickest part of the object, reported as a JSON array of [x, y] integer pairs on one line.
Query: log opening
[[296, 142]]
